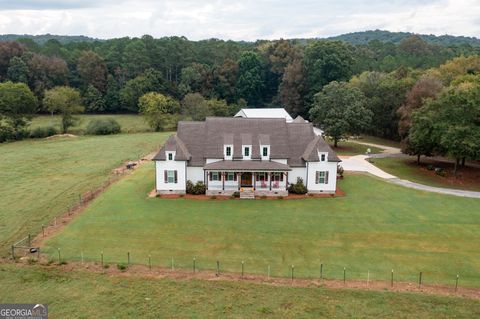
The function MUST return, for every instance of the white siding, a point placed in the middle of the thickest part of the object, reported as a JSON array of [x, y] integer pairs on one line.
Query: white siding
[[179, 166], [280, 160], [213, 160], [297, 172], [195, 174], [331, 168]]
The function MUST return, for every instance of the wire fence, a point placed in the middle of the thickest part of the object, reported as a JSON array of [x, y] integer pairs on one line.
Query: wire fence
[[270, 270]]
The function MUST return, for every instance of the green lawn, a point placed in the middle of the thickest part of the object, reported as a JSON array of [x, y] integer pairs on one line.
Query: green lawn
[[347, 148], [130, 123], [406, 168], [377, 227], [377, 140], [41, 178], [81, 294]]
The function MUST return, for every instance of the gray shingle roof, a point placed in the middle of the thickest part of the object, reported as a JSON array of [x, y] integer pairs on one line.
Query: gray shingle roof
[[247, 165], [198, 141]]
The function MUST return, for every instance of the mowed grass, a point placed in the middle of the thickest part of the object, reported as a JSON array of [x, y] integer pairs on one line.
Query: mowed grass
[[375, 228], [130, 123], [406, 168], [81, 294], [40, 179]]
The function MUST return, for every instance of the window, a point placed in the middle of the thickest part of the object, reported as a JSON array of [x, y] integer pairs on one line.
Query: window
[[265, 151], [170, 177], [214, 176], [170, 156], [277, 177], [321, 177], [230, 176], [261, 177], [228, 151], [246, 151], [322, 157]]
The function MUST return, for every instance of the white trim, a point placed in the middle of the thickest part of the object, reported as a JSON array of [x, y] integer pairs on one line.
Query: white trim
[[228, 157], [249, 156], [267, 157]]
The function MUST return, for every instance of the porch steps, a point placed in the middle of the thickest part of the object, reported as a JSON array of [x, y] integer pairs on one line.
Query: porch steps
[[247, 193]]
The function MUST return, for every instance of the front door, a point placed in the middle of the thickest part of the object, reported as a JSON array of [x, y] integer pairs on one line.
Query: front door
[[246, 180]]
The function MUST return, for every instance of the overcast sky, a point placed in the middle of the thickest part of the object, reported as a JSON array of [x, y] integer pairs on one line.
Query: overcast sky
[[237, 19]]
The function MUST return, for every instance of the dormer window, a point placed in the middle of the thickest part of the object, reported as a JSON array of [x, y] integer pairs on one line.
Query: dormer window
[[265, 152], [228, 152], [323, 157], [247, 151], [170, 156]]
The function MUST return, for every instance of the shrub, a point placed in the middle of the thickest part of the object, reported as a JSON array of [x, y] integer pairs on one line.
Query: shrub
[[198, 189], [213, 197], [340, 171], [122, 267], [440, 172], [42, 132], [103, 127], [236, 195], [298, 187], [9, 133], [430, 167]]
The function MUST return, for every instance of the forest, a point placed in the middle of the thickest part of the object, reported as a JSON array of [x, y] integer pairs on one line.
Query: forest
[[387, 89]]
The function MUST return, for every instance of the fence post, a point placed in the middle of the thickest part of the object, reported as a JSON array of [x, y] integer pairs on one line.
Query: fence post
[[268, 272], [29, 240], [321, 271], [456, 284], [101, 254], [293, 269], [218, 268], [80, 198], [81, 256], [128, 258], [58, 255], [391, 281], [194, 266], [173, 265], [242, 268], [38, 253], [150, 262], [420, 280], [43, 230], [344, 275], [13, 252], [368, 278]]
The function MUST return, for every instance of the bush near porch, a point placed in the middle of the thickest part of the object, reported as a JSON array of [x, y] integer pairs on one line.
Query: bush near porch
[[376, 227]]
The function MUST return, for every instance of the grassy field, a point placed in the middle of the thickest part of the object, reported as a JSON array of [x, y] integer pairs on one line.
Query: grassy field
[[82, 294], [41, 178], [377, 227], [347, 148], [130, 123], [377, 140], [406, 168]]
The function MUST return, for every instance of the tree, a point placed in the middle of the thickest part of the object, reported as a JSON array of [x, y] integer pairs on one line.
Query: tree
[[292, 89], [136, 57], [225, 79], [92, 70], [326, 61], [157, 108], [17, 104], [250, 78], [218, 107], [150, 81], [66, 101], [18, 70], [339, 109], [8, 50], [194, 107], [93, 100]]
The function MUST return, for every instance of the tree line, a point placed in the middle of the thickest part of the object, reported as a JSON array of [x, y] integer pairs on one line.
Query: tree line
[[174, 78]]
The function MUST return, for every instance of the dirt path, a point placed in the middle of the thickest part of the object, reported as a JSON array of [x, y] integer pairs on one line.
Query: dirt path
[[140, 271]]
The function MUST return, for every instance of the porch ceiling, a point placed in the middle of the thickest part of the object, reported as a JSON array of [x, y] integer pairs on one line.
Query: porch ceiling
[[247, 166]]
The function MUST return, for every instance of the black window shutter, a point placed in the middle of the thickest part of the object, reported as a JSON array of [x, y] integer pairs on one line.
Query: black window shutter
[[235, 176], [176, 177], [165, 176], [326, 177], [316, 177]]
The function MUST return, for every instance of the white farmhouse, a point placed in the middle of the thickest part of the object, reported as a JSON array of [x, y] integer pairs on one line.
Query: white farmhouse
[[257, 156]]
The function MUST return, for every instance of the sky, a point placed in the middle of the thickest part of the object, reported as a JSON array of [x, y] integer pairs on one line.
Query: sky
[[247, 20]]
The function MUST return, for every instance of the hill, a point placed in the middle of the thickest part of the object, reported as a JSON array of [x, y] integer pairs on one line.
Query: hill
[[396, 37], [41, 39]]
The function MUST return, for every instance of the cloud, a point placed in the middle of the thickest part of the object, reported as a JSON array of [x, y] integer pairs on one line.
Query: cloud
[[239, 20]]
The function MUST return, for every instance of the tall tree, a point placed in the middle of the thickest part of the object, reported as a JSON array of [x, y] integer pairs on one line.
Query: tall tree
[[225, 78], [250, 81], [292, 89], [339, 110], [193, 106], [326, 61], [92, 70], [150, 81], [18, 70], [66, 101], [8, 50]]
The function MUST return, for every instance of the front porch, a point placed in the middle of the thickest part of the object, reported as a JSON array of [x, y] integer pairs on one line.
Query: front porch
[[260, 183]]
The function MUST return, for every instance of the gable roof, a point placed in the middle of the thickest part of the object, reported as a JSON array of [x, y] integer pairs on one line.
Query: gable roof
[[265, 113], [197, 141]]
